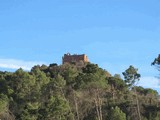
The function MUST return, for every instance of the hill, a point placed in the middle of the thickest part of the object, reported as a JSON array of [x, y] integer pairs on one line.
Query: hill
[[68, 92]]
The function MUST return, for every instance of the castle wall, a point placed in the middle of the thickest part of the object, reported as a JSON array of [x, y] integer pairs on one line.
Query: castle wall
[[68, 58]]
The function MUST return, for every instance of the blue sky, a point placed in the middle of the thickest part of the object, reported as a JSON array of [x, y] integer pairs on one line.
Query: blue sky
[[113, 33]]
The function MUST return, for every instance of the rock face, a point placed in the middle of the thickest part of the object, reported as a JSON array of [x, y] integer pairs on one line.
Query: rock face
[[68, 58]]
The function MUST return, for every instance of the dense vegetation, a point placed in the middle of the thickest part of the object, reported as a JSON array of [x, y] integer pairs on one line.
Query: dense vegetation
[[70, 92]]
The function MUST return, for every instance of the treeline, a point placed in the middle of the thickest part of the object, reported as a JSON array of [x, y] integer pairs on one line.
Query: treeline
[[69, 92]]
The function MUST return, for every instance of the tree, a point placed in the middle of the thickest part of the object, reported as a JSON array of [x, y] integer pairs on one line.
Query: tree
[[55, 105], [117, 83], [21, 83], [116, 114], [156, 63], [57, 108], [3, 103], [131, 77], [93, 81], [118, 87], [5, 113], [69, 72], [69, 92]]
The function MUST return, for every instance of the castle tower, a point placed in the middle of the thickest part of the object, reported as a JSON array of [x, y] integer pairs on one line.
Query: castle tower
[[68, 58]]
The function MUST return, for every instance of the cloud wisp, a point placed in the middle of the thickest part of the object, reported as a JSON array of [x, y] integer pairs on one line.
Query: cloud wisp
[[16, 64], [150, 82]]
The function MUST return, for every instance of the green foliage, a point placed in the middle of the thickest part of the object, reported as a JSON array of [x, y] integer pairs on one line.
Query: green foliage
[[69, 72], [70, 92], [92, 76], [90, 68], [156, 61], [116, 114], [117, 83], [131, 76], [152, 112], [57, 108], [146, 91], [3, 103], [150, 91], [59, 81]]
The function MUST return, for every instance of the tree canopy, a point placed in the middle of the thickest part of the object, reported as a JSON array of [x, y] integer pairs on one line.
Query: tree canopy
[[70, 92]]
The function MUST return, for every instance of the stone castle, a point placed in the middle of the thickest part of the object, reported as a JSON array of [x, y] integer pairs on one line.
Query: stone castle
[[68, 58]]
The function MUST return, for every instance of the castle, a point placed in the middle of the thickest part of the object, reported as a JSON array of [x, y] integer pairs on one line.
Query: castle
[[68, 58]]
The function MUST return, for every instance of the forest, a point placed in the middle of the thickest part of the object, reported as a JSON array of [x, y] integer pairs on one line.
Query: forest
[[71, 92]]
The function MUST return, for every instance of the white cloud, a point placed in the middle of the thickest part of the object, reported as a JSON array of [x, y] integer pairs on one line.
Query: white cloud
[[150, 82], [16, 64]]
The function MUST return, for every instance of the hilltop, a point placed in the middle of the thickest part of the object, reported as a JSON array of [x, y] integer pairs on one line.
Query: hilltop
[[70, 92]]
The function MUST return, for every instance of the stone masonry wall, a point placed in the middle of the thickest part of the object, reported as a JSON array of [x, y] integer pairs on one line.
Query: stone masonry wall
[[68, 58]]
